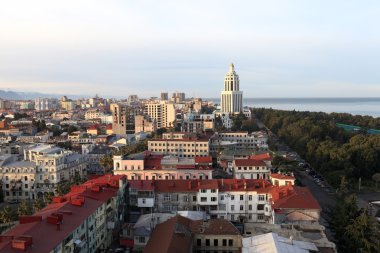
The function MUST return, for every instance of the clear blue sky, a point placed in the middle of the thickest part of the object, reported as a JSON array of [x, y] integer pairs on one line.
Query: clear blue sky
[[280, 48]]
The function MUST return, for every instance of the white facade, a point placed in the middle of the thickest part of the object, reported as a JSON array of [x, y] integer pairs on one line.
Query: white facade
[[43, 104], [231, 96]]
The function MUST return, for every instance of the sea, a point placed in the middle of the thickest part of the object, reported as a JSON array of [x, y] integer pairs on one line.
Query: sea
[[355, 106]]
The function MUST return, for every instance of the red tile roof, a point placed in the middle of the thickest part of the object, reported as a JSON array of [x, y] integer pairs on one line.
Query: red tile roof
[[214, 227], [171, 236], [282, 176], [263, 157], [194, 185], [294, 197], [249, 162], [73, 216], [202, 159]]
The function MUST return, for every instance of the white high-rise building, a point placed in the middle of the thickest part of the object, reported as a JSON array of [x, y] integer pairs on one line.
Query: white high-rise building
[[231, 96]]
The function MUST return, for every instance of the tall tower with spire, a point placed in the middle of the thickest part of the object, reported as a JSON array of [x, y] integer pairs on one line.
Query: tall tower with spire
[[231, 96]]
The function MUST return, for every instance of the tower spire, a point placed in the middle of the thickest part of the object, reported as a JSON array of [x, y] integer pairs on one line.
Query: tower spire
[[232, 67]]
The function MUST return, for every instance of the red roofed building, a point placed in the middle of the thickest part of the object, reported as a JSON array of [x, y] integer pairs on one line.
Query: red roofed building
[[84, 220], [250, 169], [232, 199], [281, 179], [294, 203], [151, 166]]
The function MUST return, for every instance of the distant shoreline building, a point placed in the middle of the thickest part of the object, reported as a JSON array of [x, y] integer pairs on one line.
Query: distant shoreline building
[[231, 96]]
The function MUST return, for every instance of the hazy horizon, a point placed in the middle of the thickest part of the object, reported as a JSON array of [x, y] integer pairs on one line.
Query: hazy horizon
[[288, 48]]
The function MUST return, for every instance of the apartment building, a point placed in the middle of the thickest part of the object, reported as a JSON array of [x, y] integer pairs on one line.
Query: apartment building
[[195, 123], [162, 112], [41, 171], [244, 140], [144, 124], [123, 119], [150, 166], [83, 221], [181, 145], [45, 104], [231, 199]]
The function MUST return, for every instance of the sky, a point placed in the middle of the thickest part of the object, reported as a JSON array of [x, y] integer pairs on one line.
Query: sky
[[284, 48]]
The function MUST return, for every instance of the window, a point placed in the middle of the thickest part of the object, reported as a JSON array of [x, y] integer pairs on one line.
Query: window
[[260, 207], [232, 197], [241, 197], [141, 239], [230, 242], [207, 242], [250, 197], [215, 242], [221, 197], [232, 208], [203, 199], [241, 207], [26, 186], [199, 242], [194, 198], [213, 191], [132, 167], [261, 197], [185, 199], [224, 242], [203, 191], [213, 199], [260, 217], [249, 207]]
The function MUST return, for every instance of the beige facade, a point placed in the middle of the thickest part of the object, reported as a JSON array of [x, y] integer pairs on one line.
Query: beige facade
[[231, 96], [43, 168], [180, 147], [162, 112], [142, 124], [123, 119]]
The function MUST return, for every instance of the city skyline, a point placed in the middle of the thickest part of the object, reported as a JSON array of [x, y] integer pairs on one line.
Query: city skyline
[[279, 48]]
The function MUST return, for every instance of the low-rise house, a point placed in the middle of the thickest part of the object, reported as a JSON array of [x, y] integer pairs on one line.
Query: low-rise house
[[250, 169], [294, 204], [279, 179]]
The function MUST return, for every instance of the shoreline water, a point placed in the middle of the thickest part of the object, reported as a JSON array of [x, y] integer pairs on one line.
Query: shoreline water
[[355, 106]]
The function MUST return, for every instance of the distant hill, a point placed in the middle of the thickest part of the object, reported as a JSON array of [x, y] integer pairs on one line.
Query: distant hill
[[13, 95]]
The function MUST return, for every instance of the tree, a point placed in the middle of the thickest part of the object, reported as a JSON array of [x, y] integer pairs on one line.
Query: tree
[[376, 178], [38, 204], [24, 209], [106, 161], [7, 215]]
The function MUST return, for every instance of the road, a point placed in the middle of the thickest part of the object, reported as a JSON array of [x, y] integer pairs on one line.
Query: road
[[326, 200]]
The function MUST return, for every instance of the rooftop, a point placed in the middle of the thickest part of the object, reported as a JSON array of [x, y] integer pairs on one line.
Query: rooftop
[[37, 227], [171, 236], [289, 197]]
